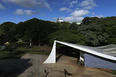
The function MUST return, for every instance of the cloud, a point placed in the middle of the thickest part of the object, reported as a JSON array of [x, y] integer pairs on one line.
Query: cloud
[[65, 8], [76, 15], [25, 12], [79, 13], [61, 18], [19, 12], [99, 16], [85, 3], [93, 13], [73, 2], [88, 4], [30, 3], [71, 18], [1, 6], [43, 14], [55, 18], [54, 3], [88, 7], [65, 1]]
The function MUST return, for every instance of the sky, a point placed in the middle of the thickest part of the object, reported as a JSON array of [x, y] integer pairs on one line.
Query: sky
[[67, 10]]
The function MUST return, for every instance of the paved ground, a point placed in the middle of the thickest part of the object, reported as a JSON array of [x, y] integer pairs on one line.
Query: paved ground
[[31, 65]]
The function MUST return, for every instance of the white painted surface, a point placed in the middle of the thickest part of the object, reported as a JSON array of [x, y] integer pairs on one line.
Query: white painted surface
[[52, 56], [88, 50], [91, 50]]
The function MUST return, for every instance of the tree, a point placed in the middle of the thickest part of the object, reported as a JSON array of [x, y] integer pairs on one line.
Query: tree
[[30, 33], [5, 31], [109, 27], [89, 20], [46, 29], [19, 30], [94, 34], [63, 25], [1, 37], [67, 36], [86, 21], [6, 26], [10, 47], [31, 29], [35, 30], [73, 26]]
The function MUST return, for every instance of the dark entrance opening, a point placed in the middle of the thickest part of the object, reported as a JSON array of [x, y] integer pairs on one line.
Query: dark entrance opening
[[68, 51]]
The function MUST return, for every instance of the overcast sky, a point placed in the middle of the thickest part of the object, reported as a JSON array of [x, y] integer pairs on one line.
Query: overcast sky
[[68, 10]]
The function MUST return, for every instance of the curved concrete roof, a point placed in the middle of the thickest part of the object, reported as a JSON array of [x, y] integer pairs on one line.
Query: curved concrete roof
[[99, 51], [108, 51]]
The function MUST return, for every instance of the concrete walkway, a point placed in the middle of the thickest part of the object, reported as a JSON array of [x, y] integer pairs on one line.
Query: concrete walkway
[[31, 65]]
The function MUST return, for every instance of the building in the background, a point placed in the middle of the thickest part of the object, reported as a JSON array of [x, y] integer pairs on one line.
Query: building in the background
[[59, 20], [78, 22]]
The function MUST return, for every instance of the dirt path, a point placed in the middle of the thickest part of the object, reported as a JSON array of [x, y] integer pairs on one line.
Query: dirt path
[[29, 64]]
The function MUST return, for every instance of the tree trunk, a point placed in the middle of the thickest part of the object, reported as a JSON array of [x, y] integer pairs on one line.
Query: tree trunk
[[30, 43]]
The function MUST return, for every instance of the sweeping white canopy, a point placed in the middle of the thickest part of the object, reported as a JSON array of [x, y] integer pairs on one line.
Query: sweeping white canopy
[[91, 50]]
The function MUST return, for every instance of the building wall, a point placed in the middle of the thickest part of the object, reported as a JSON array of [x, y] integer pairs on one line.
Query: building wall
[[98, 62]]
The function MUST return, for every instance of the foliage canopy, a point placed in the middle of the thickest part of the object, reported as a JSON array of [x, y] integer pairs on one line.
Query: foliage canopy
[[96, 31], [67, 36]]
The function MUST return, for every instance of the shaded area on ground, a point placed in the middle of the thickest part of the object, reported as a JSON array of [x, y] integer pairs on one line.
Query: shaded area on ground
[[58, 57], [69, 73], [14, 67], [31, 65]]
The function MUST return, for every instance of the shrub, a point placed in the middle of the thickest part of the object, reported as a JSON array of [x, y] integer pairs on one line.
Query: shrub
[[22, 43], [10, 47]]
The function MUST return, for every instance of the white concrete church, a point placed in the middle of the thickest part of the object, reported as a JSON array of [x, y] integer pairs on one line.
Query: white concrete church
[[99, 57]]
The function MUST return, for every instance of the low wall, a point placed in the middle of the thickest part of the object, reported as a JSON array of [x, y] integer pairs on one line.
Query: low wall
[[99, 62]]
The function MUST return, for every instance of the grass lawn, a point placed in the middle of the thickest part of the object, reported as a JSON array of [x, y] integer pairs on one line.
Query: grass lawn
[[18, 54], [34, 48], [20, 51], [114, 72], [109, 71], [4, 54]]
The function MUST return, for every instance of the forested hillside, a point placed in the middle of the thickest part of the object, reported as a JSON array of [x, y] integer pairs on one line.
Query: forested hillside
[[92, 31]]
